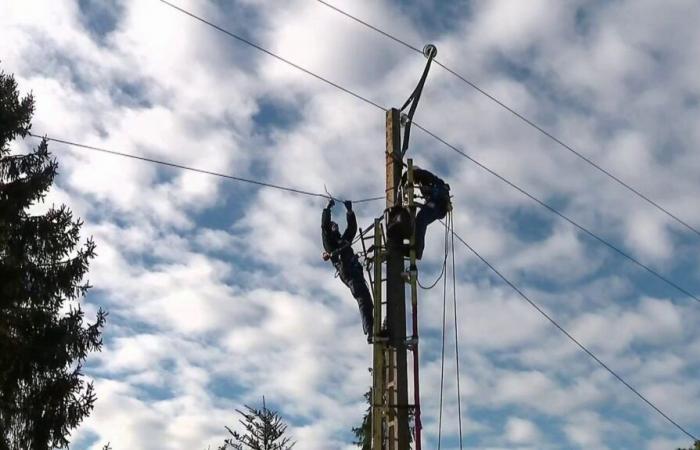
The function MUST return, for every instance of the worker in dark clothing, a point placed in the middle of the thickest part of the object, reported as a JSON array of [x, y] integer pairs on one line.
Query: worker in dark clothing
[[339, 250], [436, 196]]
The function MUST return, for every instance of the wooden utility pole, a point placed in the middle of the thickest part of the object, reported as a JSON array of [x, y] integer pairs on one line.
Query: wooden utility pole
[[397, 376], [390, 407]]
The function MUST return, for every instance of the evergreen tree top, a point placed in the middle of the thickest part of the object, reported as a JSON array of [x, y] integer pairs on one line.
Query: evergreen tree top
[[44, 340]]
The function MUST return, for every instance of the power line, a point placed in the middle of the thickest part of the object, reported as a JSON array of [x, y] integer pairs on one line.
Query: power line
[[194, 169], [548, 207], [442, 271], [368, 25], [442, 358], [522, 118], [274, 55], [561, 215], [454, 307], [573, 339]]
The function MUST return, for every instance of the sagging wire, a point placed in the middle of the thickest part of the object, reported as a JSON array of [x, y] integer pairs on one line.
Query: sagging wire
[[442, 357], [449, 230], [454, 305], [444, 265], [192, 169]]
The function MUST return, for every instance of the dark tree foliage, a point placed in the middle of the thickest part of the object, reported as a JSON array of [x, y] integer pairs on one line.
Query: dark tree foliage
[[264, 430], [43, 339], [363, 433], [694, 447]]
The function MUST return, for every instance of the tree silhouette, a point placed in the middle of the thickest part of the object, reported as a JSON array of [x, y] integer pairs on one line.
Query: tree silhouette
[[43, 339], [264, 430], [363, 433]]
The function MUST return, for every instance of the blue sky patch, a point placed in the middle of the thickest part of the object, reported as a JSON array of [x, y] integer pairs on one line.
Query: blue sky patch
[[100, 17]]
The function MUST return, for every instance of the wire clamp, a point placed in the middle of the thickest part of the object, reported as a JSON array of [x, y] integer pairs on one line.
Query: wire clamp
[[412, 342]]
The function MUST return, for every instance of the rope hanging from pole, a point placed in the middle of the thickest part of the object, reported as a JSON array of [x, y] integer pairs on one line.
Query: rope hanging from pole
[[430, 52]]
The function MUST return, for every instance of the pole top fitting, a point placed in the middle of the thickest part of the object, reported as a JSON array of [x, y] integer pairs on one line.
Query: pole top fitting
[[430, 51]]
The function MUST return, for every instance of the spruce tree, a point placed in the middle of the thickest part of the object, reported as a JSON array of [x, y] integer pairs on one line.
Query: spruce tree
[[44, 340], [363, 433], [264, 430]]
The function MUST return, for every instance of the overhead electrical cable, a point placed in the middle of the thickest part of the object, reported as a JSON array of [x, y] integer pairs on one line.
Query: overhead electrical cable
[[454, 308], [572, 338], [548, 207], [442, 271], [523, 118], [555, 211], [194, 169], [442, 352], [274, 55]]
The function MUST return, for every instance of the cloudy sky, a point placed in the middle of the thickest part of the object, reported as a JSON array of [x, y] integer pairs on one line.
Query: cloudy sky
[[216, 291]]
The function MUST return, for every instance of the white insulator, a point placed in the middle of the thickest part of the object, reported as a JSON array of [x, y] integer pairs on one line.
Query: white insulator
[[430, 51]]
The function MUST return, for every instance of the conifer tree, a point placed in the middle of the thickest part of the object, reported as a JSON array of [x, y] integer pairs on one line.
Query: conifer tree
[[264, 430], [363, 433], [43, 338]]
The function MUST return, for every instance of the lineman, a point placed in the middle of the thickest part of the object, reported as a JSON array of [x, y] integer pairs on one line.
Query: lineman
[[436, 194], [339, 250]]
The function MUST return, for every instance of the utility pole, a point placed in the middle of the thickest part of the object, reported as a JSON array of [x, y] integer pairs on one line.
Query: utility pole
[[390, 428], [397, 376], [390, 406]]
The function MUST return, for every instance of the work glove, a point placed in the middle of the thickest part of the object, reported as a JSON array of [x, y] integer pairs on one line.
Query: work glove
[[348, 205], [331, 203]]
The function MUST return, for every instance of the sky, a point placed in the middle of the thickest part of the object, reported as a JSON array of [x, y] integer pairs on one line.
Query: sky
[[216, 291]]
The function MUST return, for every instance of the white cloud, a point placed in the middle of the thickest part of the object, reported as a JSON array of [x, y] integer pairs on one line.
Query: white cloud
[[521, 431]]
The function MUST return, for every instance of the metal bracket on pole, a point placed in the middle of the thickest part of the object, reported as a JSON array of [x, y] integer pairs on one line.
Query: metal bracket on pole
[[430, 52]]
